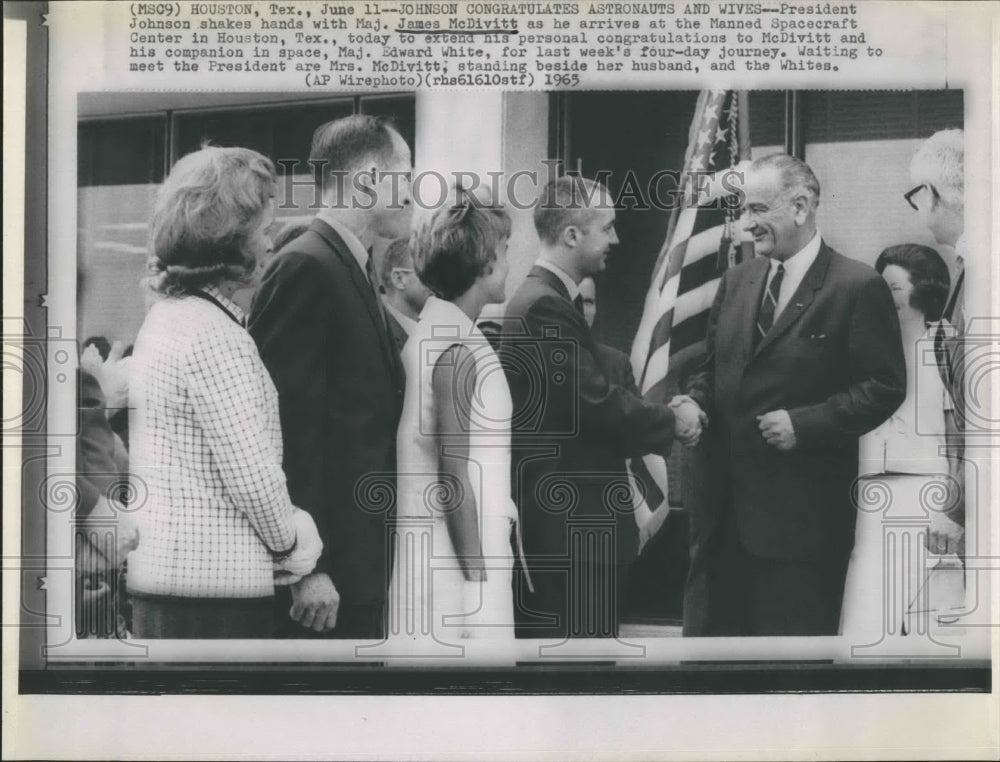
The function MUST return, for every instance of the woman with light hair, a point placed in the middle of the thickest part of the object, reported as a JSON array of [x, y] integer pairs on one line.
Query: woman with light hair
[[217, 530], [455, 514]]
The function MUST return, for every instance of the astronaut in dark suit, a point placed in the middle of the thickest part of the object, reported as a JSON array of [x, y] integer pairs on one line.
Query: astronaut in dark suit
[[573, 427], [404, 294], [322, 332], [803, 357]]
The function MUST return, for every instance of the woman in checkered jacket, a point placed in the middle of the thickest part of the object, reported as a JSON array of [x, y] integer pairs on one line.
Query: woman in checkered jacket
[[216, 527]]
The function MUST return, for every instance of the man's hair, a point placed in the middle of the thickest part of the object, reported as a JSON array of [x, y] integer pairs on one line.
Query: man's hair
[[207, 208], [345, 145], [796, 176], [565, 201], [928, 274], [457, 243], [940, 161], [397, 254]]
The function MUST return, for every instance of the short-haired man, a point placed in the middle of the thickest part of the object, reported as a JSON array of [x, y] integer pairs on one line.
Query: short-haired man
[[322, 333], [573, 427], [938, 197], [803, 357], [405, 295]]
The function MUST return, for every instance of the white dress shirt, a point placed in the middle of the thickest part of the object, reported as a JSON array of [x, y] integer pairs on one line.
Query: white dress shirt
[[570, 284], [796, 267], [912, 439]]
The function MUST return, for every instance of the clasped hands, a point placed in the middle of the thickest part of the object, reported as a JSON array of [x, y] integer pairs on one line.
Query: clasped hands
[[689, 419]]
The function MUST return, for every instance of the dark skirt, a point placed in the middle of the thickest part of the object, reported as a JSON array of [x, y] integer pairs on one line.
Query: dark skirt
[[160, 616]]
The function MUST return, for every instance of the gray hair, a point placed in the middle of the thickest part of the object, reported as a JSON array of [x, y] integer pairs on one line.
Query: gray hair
[[940, 160], [209, 205], [796, 176], [565, 201]]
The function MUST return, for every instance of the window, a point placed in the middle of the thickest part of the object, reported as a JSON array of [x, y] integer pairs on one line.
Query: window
[[860, 144], [122, 162], [121, 152], [280, 132]]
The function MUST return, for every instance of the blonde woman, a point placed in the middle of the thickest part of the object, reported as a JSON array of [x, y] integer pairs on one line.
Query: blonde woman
[[453, 446]]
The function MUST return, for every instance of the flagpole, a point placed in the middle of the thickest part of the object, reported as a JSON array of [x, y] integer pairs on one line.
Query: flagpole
[[744, 126], [746, 246]]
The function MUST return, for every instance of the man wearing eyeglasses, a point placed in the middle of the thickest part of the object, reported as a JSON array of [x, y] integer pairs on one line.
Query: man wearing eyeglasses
[[937, 171]]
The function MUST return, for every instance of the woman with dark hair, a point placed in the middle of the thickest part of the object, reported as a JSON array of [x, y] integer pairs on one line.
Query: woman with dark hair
[[903, 460], [216, 526], [452, 574]]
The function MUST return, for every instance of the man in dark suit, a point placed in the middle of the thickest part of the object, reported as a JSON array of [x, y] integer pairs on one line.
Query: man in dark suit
[[572, 427], [321, 330], [405, 295], [803, 357]]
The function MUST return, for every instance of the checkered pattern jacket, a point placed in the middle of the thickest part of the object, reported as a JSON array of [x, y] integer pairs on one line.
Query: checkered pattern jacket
[[213, 507]]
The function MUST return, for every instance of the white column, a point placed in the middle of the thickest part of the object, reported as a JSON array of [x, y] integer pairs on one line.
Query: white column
[[479, 133]]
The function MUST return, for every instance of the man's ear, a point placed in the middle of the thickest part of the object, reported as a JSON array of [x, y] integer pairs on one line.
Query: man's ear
[[803, 207], [571, 235], [366, 178]]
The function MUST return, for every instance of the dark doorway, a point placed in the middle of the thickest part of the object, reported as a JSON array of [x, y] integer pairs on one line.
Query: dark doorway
[[622, 134], [625, 139]]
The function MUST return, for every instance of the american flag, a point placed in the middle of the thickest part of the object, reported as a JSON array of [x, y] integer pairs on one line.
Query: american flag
[[703, 239]]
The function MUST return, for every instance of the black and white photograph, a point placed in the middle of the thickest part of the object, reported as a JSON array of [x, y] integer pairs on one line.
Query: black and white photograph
[[651, 484], [445, 383]]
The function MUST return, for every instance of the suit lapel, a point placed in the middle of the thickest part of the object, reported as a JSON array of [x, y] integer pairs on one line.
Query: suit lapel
[[800, 300], [363, 287], [752, 294], [555, 284], [551, 280]]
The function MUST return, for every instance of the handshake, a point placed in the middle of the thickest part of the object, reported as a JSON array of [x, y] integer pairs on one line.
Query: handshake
[[689, 419]]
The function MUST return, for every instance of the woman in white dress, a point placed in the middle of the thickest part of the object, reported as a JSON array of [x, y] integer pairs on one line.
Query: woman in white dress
[[904, 471], [453, 559]]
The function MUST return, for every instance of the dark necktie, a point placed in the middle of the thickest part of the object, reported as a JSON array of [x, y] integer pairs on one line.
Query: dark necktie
[[942, 358], [578, 303], [370, 272], [765, 318]]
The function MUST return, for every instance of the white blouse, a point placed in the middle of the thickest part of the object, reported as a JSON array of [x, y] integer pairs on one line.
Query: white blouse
[[912, 439]]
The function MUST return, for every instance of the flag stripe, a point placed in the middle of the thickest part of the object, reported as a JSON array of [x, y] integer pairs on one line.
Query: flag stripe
[[697, 249], [693, 302], [690, 331], [656, 371]]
